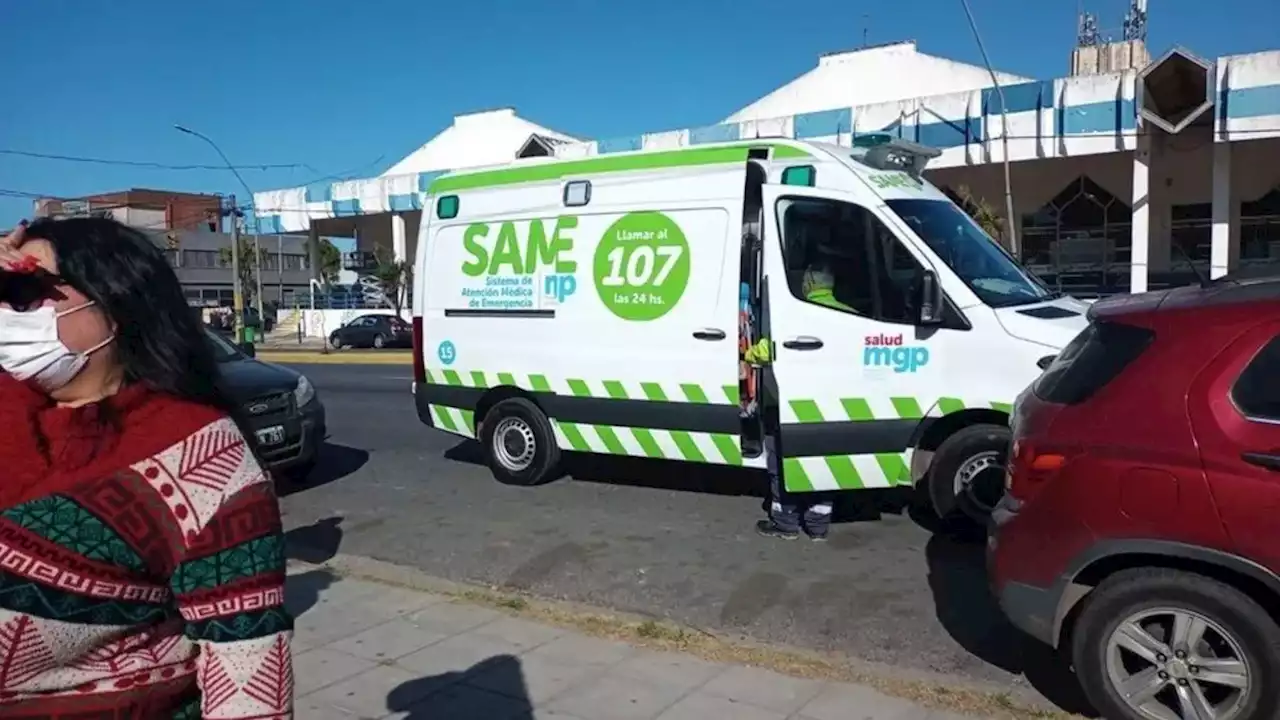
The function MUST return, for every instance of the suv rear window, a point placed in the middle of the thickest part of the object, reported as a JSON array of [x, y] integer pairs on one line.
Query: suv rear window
[[1257, 390], [1090, 361]]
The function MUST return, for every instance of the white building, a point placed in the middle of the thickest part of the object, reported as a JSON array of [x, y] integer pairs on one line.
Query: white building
[[1108, 169]]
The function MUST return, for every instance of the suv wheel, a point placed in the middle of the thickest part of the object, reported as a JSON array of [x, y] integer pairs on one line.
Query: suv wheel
[[519, 444], [1154, 643], [335, 342], [966, 477]]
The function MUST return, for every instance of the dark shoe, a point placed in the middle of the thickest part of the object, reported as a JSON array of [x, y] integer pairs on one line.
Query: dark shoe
[[767, 528], [818, 538]]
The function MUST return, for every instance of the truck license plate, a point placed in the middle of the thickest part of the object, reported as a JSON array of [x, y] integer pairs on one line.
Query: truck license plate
[[271, 436]]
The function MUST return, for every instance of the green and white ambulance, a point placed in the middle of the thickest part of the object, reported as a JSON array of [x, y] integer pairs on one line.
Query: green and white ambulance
[[605, 305]]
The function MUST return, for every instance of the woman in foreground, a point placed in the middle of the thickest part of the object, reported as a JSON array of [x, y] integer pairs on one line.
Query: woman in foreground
[[141, 557]]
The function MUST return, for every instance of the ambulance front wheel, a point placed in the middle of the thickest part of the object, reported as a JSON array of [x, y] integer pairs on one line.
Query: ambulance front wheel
[[519, 444], [966, 477]]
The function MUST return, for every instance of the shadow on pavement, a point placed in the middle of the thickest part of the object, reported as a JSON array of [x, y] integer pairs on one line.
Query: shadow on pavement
[[303, 591], [316, 543], [968, 612], [333, 463], [491, 688]]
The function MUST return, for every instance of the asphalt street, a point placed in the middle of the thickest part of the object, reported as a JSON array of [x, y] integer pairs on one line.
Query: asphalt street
[[664, 540]]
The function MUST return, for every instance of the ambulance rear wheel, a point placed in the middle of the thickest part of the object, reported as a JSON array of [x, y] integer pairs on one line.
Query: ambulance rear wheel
[[519, 444], [966, 477]]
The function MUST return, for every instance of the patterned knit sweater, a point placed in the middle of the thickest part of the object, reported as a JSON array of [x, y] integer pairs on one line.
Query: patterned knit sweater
[[142, 569]]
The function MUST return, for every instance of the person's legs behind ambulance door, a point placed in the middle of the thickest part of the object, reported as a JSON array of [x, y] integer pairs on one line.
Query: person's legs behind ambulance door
[[791, 513]]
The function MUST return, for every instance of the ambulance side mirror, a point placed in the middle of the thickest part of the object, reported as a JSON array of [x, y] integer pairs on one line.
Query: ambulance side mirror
[[930, 299]]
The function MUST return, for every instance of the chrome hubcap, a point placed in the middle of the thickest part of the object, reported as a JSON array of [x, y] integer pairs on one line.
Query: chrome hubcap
[[513, 444], [980, 480], [1175, 664]]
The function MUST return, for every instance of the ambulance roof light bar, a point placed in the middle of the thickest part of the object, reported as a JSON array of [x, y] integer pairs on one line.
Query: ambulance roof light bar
[[886, 152]]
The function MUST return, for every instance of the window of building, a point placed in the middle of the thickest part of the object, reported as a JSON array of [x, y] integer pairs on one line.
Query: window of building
[[201, 259], [1080, 238], [841, 256]]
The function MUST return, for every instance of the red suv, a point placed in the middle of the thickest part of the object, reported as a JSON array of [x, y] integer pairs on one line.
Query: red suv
[[1141, 524]]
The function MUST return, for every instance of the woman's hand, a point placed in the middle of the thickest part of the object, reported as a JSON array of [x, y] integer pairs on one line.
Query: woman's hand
[[10, 257]]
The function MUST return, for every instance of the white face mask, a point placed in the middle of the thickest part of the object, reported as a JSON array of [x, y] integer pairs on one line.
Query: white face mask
[[30, 348]]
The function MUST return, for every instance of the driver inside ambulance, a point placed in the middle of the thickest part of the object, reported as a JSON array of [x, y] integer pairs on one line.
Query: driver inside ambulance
[[818, 286]]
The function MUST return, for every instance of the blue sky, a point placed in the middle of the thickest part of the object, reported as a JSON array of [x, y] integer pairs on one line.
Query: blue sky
[[347, 88]]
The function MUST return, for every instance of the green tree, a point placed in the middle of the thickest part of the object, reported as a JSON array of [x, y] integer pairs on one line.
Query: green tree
[[330, 261], [248, 268], [394, 276], [982, 213]]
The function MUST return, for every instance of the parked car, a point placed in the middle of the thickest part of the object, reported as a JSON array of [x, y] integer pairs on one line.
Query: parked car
[[280, 406], [372, 331], [1140, 529]]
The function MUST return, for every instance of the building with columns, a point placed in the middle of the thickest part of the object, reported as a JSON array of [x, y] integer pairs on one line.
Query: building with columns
[[1126, 175]]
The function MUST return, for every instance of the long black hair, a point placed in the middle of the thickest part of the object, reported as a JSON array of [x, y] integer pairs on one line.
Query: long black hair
[[159, 340]]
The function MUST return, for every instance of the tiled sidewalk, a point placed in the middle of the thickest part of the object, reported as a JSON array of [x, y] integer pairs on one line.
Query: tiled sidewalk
[[365, 650]]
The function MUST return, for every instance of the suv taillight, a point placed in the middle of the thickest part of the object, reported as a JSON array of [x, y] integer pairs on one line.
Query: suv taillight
[[1032, 466], [419, 363]]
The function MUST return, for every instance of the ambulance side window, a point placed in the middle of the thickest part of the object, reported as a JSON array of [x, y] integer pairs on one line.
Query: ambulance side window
[[841, 256]]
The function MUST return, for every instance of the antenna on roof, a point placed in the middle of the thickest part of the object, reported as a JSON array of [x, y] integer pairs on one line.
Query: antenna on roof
[[866, 26]]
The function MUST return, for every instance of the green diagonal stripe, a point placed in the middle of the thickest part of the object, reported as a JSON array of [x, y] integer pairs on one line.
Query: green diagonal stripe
[[693, 393], [795, 477], [894, 468], [610, 440], [844, 472], [648, 445], [451, 378], [615, 389], [478, 379], [1003, 407], [806, 411], [688, 448], [907, 407], [469, 419], [579, 388], [427, 374], [574, 436], [446, 419], [653, 391], [856, 409], [506, 379], [731, 393], [949, 405], [728, 447], [539, 383]]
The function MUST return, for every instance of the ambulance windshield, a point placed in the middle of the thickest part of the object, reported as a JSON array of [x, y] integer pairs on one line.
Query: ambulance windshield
[[993, 275]]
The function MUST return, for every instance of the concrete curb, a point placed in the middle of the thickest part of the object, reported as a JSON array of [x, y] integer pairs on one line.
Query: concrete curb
[[304, 357]]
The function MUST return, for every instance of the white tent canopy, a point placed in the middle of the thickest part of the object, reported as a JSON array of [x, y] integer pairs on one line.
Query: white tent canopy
[[882, 73]]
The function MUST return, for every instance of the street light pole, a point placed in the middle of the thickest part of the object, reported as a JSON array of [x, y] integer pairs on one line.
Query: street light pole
[[235, 235], [237, 294], [1015, 243]]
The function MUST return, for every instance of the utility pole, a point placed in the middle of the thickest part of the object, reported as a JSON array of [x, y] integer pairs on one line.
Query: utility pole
[[237, 291], [235, 236], [280, 268], [1011, 224]]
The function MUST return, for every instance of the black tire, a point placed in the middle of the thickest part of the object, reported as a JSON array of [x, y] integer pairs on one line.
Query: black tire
[[379, 342], [335, 342], [1131, 591], [956, 451], [530, 426]]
